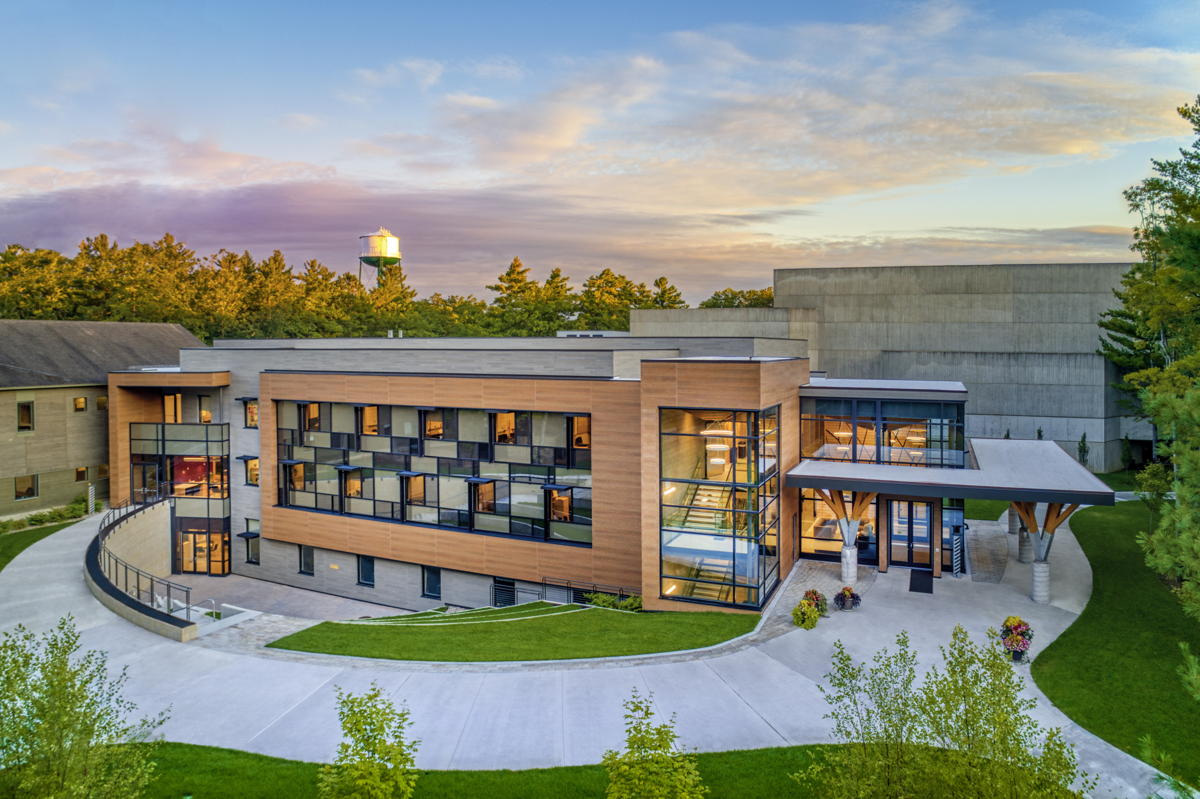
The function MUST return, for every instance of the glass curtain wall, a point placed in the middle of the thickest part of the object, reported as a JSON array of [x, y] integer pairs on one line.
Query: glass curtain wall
[[875, 431], [820, 537], [519, 473], [719, 504], [189, 462]]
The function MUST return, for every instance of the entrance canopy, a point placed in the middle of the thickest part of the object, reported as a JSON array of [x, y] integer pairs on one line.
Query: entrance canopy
[[1016, 471]]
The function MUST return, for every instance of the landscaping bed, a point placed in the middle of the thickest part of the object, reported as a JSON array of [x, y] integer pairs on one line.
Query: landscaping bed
[[12, 544], [1114, 670], [536, 631]]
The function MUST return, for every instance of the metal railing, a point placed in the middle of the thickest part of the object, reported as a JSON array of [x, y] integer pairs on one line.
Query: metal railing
[[138, 584], [555, 590]]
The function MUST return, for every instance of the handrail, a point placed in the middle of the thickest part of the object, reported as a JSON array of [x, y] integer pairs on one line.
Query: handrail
[[145, 587]]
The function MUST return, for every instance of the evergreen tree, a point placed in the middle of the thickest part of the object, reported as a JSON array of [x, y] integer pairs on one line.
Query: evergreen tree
[[607, 298], [666, 295], [741, 298]]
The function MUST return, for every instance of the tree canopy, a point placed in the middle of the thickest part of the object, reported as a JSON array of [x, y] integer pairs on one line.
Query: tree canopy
[[233, 295], [741, 298]]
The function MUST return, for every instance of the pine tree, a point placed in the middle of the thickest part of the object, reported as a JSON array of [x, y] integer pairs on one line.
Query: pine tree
[[666, 295]]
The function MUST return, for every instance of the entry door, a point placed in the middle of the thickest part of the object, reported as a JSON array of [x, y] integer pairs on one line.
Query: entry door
[[910, 533], [145, 481], [203, 553]]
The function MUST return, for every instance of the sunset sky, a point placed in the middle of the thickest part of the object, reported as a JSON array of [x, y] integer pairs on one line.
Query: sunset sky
[[710, 142]]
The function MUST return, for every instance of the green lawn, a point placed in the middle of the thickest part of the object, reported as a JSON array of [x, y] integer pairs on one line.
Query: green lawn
[[12, 544], [535, 636], [989, 509], [210, 773], [1120, 481], [1114, 670]]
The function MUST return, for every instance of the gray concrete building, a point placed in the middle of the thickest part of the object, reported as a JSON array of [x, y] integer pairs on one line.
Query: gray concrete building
[[1021, 337]]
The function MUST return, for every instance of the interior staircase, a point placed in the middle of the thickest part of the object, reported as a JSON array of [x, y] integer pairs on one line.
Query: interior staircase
[[707, 506]]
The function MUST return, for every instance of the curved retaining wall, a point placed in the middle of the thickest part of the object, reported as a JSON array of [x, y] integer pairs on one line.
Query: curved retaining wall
[[140, 539]]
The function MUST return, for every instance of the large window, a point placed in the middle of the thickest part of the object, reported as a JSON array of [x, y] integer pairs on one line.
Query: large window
[[875, 431], [504, 472], [25, 487], [24, 416], [821, 538], [719, 504]]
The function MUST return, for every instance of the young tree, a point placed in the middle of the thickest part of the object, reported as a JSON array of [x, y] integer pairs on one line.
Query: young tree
[[652, 766], [666, 295], [65, 729], [374, 761], [741, 298], [966, 722], [1082, 450]]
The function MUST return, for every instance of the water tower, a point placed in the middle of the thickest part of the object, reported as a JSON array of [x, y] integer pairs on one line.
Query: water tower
[[380, 248]]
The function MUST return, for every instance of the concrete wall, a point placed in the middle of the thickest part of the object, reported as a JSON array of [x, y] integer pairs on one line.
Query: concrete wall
[[144, 540], [396, 583], [62, 440]]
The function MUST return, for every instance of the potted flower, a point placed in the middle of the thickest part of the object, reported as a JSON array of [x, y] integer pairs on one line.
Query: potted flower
[[806, 614], [846, 599], [817, 598], [1015, 634]]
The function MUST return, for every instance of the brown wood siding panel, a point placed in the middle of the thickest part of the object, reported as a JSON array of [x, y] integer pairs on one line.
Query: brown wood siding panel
[[125, 406], [613, 557], [168, 379]]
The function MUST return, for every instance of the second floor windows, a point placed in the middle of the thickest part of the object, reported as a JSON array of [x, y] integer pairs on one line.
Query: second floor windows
[[25, 416]]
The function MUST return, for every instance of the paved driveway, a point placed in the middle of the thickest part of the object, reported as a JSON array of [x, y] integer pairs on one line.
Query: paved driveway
[[474, 716]]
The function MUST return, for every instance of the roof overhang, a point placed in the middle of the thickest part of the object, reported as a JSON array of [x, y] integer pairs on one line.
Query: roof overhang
[[1017, 471]]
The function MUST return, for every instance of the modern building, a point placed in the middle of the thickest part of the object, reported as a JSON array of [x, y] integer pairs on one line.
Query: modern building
[[1022, 338], [54, 403], [694, 471]]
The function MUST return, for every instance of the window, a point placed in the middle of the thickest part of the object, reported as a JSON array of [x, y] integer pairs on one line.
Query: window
[[25, 415], [204, 408], [431, 582], [251, 471], [81, 474], [172, 408], [310, 416], [80, 404], [25, 487], [102, 471], [306, 559], [252, 540], [512, 428], [374, 420], [250, 413], [366, 571], [102, 403]]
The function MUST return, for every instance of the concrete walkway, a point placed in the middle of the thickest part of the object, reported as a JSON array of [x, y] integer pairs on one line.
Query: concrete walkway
[[476, 716]]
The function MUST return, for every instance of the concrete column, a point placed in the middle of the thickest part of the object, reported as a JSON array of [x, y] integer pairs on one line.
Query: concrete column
[[849, 565], [1014, 521], [1041, 582], [1024, 546]]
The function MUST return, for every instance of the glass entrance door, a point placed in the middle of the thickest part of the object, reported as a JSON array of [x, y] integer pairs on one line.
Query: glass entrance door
[[203, 553], [910, 525], [146, 478]]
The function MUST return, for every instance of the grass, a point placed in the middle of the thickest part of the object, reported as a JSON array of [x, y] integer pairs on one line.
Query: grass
[[534, 635], [210, 773], [12, 544], [1114, 670], [1120, 481], [989, 509]]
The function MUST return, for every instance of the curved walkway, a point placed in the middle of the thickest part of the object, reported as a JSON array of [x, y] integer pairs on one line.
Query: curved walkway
[[486, 716]]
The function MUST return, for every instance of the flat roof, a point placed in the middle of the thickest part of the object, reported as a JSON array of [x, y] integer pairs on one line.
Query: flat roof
[[865, 384], [1030, 471]]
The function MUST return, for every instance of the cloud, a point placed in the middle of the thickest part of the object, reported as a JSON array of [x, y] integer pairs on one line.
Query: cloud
[[423, 71], [495, 68], [457, 241], [298, 121]]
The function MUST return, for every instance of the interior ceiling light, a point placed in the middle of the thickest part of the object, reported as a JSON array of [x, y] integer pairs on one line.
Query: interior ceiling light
[[717, 446], [712, 430], [718, 461]]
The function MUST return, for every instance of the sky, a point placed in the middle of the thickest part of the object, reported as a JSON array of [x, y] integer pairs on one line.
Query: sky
[[707, 141]]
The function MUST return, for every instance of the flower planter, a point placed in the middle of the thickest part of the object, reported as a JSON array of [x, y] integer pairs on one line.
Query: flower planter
[[1018, 656], [847, 609]]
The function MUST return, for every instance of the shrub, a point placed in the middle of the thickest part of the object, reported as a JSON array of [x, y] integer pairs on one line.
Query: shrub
[[66, 729], [817, 598], [651, 767], [37, 519], [374, 761], [601, 600], [633, 603], [806, 614]]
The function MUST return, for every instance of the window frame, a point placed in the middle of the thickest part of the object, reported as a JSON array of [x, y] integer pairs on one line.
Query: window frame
[[246, 405], [306, 550], [80, 404], [31, 426], [362, 561], [79, 469], [257, 471], [428, 572], [35, 485], [253, 545], [102, 402]]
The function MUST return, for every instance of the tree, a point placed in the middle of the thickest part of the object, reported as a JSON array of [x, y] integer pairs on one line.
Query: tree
[[966, 722], [390, 299], [666, 295], [606, 299], [65, 729], [741, 298], [652, 766], [1082, 450], [374, 761]]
